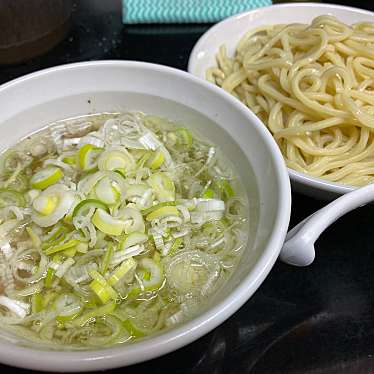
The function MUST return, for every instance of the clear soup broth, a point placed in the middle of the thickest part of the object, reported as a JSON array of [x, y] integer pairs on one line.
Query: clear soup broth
[[113, 227]]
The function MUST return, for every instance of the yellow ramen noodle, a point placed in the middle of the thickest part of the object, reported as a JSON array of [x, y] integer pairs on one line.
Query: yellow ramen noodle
[[313, 86]]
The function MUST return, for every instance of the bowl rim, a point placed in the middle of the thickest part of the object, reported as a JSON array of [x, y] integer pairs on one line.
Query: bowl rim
[[68, 361], [301, 178]]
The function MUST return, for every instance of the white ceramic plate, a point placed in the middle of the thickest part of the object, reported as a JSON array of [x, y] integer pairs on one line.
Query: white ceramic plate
[[231, 30]]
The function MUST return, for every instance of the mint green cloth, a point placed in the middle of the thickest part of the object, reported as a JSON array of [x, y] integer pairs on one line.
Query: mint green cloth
[[185, 11]]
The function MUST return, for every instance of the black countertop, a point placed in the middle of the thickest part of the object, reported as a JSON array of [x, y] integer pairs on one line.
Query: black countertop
[[318, 319]]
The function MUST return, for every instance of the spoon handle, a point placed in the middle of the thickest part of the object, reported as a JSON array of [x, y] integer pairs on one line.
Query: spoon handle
[[298, 248]]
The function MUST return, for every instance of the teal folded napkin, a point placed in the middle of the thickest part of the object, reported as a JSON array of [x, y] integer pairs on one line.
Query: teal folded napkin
[[185, 11]]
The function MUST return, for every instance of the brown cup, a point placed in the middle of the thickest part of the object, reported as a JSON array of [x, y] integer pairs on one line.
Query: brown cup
[[29, 28]]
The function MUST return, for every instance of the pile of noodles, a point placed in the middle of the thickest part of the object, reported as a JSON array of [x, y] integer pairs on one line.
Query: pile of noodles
[[313, 86]]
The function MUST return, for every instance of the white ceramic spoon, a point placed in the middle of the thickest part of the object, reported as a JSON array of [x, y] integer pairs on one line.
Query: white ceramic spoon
[[298, 249]]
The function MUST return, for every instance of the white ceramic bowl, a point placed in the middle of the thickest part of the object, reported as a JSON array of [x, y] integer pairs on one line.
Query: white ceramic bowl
[[33, 101], [231, 30]]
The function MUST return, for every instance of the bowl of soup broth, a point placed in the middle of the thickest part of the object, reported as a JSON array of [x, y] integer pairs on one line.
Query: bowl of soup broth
[[138, 211]]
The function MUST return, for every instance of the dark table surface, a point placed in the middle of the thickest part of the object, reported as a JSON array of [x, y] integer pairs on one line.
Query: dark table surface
[[318, 319]]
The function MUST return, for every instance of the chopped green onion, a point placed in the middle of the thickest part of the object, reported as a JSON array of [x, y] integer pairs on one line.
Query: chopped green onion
[[162, 186], [52, 205], [156, 271], [45, 205], [49, 277], [107, 258], [57, 232], [70, 252], [46, 177], [88, 156], [116, 159], [29, 290], [177, 243], [37, 303], [163, 212], [64, 267], [34, 238], [70, 160], [11, 197], [156, 257], [133, 220], [133, 239], [86, 205], [48, 297], [15, 181], [133, 331], [151, 274], [155, 160], [98, 277], [62, 247], [208, 193], [102, 289], [157, 206], [20, 308], [225, 187], [82, 247], [143, 159], [107, 224], [68, 307], [108, 191], [97, 312], [184, 137], [121, 271]]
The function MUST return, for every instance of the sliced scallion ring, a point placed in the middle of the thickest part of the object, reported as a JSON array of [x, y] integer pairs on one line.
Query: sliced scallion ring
[[68, 307], [46, 177], [45, 205], [122, 270], [132, 329], [156, 274], [116, 159], [155, 160], [102, 288], [108, 224], [151, 274], [62, 247], [133, 220], [162, 212], [88, 157], [108, 191], [133, 239], [157, 206], [208, 194], [52, 205], [97, 312], [85, 205], [70, 160], [226, 188], [184, 137], [162, 186]]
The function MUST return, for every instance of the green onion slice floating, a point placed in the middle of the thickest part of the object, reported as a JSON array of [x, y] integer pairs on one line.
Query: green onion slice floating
[[156, 160], [117, 158], [162, 212], [46, 177], [85, 205], [68, 307], [162, 186], [88, 156], [108, 224], [10, 197]]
